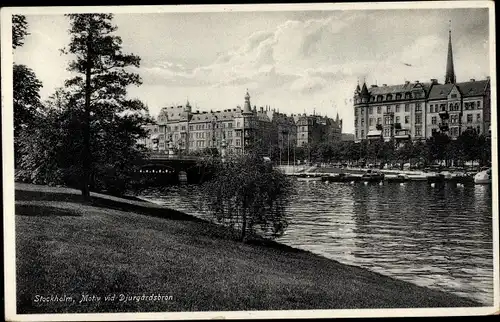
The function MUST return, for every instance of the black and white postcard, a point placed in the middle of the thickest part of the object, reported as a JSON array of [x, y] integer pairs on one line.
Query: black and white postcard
[[250, 161]]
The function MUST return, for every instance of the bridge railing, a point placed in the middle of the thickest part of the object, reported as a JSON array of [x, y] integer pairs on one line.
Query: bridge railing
[[164, 156]]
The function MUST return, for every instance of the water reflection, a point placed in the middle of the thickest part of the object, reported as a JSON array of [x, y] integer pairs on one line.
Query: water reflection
[[436, 237]]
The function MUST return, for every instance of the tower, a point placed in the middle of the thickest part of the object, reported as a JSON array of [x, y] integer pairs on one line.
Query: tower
[[450, 77], [187, 108], [247, 108]]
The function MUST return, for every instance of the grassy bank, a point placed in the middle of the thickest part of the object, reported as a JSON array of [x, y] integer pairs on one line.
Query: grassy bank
[[118, 246]]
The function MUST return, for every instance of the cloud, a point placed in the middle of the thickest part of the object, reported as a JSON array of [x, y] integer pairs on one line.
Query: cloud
[[308, 85], [268, 57]]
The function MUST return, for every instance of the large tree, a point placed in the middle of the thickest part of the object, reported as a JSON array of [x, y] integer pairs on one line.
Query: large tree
[[26, 87], [100, 87]]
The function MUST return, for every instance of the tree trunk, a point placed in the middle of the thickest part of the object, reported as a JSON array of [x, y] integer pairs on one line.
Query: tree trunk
[[244, 224], [86, 160]]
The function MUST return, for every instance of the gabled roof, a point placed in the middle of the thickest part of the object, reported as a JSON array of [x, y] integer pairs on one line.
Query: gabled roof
[[440, 91], [474, 88], [400, 88]]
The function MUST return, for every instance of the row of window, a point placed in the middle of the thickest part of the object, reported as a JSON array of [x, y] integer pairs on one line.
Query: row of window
[[387, 120], [398, 96], [434, 108], [391, 108], [202, 144], [388, 132], [454, 118]]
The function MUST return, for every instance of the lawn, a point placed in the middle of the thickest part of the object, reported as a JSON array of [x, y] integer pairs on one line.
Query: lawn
[[116, 246]]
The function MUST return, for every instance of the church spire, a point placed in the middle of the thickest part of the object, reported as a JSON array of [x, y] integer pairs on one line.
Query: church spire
[[450, 77]]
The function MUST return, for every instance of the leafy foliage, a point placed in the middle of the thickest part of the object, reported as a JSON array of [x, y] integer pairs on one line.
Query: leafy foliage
[[26, 103], [88, 131], [19, 30], [111, 120], [248, 194]]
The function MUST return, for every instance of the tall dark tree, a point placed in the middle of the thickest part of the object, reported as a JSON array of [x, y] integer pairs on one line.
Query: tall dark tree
[[101, 84], [26, 87], [19, 30]]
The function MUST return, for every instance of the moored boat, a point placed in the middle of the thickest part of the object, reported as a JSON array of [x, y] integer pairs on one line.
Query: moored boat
[[483, 177], [397, 178], [372, 176]]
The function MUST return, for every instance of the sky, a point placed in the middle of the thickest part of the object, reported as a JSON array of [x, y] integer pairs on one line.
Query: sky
[[294, 61]]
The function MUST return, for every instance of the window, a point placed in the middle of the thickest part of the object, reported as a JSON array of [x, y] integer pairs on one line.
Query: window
[[472, 105], [397, 108], [418, 118], [478, 117], [466, 105], [478, 129], [434, 120], [443, 107], [230, 125], [407, 107], [379, 109], [362, 110], [389, 97], [389, 109], [397, 119], [362, 122], [469, 118], [370, 110], [387, 132], [379, 98], [362, 133], [355, 120], [379, 120], [407, 119], [356, 133], [418, 107], [453, 95], [407, 95], [418, 131], [370, 121], [398, 96], [183, 127], [478, 104], [431, 109], [238, 142]]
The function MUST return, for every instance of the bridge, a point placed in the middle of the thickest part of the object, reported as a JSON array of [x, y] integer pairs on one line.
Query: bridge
[[161, 168]]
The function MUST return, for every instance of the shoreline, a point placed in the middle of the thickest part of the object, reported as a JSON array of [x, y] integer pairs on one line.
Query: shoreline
[[347, 286]]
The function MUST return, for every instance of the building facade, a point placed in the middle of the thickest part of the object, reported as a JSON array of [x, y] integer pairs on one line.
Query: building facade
[[183, 130], [415, 110]]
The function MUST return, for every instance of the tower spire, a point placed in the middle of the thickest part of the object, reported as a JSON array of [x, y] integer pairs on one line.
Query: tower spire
[[450, 77]]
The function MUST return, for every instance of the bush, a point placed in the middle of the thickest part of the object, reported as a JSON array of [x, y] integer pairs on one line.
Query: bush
[[248, 194]]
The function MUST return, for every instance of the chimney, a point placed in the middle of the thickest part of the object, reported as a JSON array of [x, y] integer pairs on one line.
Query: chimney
[[417, 81], [262, 109], [488, 77], [407, 82], [434, 81], [372, 86], [472, 80], [384, 85]]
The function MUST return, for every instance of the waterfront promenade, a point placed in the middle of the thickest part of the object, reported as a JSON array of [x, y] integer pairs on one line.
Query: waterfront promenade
[[125, 246]]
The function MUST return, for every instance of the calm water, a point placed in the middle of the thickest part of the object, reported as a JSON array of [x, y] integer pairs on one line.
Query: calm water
[[439, 238]]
